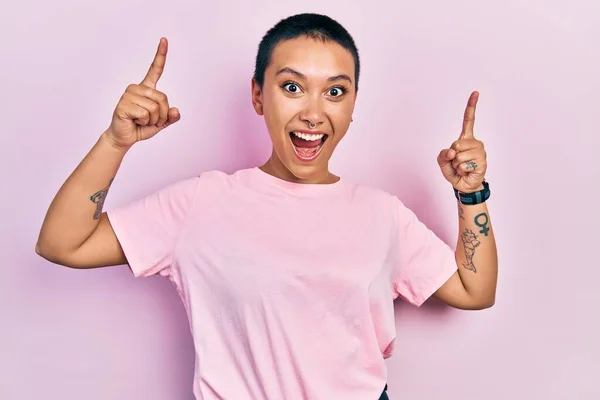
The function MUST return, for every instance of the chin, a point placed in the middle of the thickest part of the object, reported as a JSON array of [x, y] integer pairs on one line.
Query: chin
[[306, 172]]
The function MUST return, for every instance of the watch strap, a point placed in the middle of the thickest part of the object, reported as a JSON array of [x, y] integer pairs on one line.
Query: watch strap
[[475, 197]]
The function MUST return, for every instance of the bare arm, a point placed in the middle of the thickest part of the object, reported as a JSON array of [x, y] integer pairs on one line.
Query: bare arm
[[476, 253], [76, 232], [76, 213], [473, 286]]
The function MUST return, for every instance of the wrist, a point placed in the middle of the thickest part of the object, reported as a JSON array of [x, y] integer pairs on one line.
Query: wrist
[[477, 196], [477, 189], [107, 139]]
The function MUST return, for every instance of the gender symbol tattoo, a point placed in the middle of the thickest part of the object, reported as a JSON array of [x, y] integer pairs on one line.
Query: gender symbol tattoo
[[470, 243], [483, 225], [99, 198]]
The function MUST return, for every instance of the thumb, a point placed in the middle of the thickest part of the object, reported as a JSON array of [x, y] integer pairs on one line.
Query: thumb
[[173, 116], [444, 160], [446, 156], [151, 130]]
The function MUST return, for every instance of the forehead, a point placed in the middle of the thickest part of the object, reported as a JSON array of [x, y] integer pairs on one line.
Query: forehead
[[312, 57]]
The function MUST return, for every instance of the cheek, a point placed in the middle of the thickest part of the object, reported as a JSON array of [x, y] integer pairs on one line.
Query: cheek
[[340, 116], [341, 110], [279, 110]]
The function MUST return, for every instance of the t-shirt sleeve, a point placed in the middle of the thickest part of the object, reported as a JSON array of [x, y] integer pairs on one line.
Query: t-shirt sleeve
[[422, 262], [148, 229]]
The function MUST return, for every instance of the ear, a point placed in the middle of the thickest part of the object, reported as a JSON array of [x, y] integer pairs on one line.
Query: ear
[[257, 97]]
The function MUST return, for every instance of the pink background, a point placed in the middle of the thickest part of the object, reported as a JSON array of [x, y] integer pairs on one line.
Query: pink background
[[101, 334]]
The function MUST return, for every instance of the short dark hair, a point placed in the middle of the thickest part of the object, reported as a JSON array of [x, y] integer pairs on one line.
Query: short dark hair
[[315, 26]]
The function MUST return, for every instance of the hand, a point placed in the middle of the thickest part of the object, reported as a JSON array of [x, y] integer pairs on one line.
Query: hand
[[143, 111], [464, 163]]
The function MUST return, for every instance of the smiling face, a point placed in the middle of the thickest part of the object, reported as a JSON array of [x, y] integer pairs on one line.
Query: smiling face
[[307, 100]]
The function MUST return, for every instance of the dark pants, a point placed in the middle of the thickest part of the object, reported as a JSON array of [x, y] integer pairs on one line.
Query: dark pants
[[384, 395]]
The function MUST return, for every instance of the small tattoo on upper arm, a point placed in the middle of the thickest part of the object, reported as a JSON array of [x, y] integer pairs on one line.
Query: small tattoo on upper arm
[[470, 243], [99, 198], [461, 212], [482, 220]]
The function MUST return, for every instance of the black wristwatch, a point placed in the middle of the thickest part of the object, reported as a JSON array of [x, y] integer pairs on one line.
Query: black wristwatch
[[474, 197]]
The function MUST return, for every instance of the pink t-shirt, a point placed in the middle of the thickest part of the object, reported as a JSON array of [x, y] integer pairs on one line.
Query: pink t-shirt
[[288, 287]]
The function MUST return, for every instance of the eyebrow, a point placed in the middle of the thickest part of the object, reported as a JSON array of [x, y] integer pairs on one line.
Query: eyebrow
[[288, 70]]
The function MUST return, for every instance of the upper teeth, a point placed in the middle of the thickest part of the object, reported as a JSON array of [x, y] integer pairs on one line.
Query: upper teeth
[[309, 136]]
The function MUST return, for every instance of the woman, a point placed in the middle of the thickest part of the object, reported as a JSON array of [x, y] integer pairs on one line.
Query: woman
[[288, 273]]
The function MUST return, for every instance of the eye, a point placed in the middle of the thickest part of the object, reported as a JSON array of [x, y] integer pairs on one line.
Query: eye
[[291, 87], [336, 91]]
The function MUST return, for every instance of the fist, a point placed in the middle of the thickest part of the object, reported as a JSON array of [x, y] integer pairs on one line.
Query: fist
[[464, 164], [143, 111]]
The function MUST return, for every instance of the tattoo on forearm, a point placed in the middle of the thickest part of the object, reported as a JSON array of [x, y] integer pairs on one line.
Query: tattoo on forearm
[[470, 243], [461, 212], [482, 220], [471, 165], [99, 198]]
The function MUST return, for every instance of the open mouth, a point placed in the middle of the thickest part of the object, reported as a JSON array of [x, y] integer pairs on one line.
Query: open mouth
[[307, 146]]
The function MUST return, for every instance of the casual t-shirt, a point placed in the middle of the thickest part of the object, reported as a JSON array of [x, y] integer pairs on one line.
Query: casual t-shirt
[[288, 287]]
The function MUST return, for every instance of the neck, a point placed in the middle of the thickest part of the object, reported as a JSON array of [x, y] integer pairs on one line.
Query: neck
[[275, 167]]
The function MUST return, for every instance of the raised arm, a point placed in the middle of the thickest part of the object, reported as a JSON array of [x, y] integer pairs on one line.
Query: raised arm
[[76, 232], [464, 165]]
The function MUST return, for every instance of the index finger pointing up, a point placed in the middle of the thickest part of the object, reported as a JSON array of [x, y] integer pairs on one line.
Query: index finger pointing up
[[158, 64], [469, 118]]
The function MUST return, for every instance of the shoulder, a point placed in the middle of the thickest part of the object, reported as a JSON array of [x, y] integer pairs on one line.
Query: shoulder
[[391, 205], [217, 185], [221, 179], [372, 195]]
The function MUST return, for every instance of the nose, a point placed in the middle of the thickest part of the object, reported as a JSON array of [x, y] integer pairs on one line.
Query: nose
[[312, 113]]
